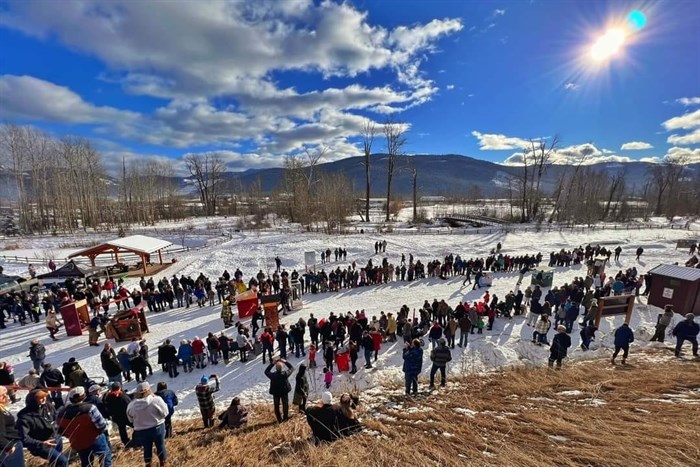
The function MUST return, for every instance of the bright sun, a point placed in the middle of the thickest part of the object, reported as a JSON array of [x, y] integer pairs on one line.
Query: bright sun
[[609, 44]]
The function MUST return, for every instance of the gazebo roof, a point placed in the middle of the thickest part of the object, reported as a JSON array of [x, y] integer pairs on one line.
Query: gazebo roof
[[140, 244]]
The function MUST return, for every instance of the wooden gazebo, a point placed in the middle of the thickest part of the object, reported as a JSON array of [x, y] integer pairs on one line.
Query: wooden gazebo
[[140, 245]]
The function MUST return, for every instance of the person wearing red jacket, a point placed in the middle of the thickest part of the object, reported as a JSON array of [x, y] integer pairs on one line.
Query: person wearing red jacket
[[198, 352], [491, 312], [85, 428], [268, 342], [377, 338]]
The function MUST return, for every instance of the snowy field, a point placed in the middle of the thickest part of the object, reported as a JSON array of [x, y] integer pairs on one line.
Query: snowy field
[[508, 343]]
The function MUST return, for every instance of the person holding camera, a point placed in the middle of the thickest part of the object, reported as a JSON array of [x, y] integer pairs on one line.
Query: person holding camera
[[205, 396], [280, 387]]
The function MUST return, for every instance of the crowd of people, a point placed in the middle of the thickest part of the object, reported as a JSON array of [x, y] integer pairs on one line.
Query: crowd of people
[[143, 417]]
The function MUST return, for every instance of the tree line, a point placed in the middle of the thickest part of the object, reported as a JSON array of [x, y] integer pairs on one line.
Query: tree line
[[61, 184]]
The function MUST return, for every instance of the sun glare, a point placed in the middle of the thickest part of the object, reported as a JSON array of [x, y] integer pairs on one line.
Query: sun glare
[[609, 44]]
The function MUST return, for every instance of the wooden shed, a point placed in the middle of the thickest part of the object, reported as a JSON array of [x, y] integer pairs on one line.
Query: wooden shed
[[675, 285]]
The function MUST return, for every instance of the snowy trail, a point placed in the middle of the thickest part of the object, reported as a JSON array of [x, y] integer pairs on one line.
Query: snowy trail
[[507, 344]]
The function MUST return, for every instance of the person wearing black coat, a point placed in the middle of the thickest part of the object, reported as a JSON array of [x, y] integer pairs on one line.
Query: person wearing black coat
[[52, 378], [116, 401], [323, 420], [11, 451], [110, 364], [281, 338], [35, 426], [168, 353], [280, 387], [560, 344]]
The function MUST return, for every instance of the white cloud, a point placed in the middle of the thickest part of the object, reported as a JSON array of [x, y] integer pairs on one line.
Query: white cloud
[[688, 139], [688, 101], [685, 155], [498, 12], [26, 97], [586, 154], [498, 142], [684, 122], [450, 87], [636, 146], [687, 121], [216, 62], [572, 86]]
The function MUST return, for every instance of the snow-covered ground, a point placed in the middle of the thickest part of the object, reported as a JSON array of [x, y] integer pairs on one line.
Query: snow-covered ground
[[508, 343]]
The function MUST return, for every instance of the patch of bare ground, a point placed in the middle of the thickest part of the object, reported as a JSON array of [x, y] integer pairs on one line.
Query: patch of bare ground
[[588, 414]]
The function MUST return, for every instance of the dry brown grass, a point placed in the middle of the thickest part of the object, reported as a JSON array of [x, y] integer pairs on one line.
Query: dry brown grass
[[516, 414]]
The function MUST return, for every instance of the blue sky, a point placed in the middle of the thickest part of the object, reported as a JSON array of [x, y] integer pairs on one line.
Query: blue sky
[[255, 81]]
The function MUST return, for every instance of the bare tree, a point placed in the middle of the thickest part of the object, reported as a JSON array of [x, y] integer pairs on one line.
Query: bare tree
[[313, 157], [207, 170], [664, 178], [616, 187], [369, 131], [395, 141]]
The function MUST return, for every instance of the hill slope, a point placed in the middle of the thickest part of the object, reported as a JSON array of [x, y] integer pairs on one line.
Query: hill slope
[[589, 413]]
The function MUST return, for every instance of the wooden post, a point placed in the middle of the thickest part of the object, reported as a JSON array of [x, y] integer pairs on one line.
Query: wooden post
[[143, 262], [116, 254], [92, 260], [160, 256]]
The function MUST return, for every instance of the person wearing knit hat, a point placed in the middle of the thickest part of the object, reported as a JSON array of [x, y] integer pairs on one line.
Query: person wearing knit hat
[[205, 396], [85, 428], [560, 344], [687, 330]]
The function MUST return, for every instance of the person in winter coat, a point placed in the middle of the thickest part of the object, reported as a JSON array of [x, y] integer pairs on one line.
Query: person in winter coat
[[662, 322], [280, 387], [11, 451], [125, 363], [170, 399], [37, 354], [323, 419], [116, 401], [147, 413], [225, 347], [346, 420], [168, 353], [35, 426], [687, 330], [236, 416], [185, 354], [391, 327], [301, 389], [281, 337], [640, 250], [110, 364], [440, 356], [73, 373], [198, 352], [368, 345], [85, 428], [434, 334], [268, 341], [560, 344], [328, 355], [52, 324], [587, 335], [412, 365], [205, 396], [213, 348], [243, 345], [31, 380], [623, 337]]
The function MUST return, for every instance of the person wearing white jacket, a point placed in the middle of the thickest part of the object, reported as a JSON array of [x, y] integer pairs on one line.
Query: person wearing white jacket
[[147, 412]]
